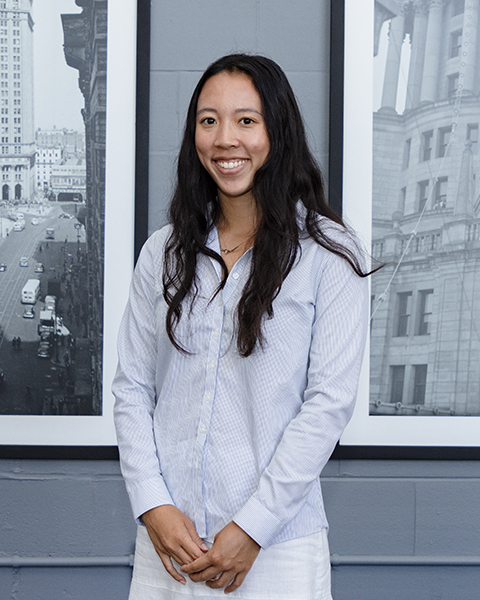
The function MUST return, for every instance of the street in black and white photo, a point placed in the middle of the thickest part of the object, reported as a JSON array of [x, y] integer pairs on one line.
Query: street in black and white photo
[[39, 357]]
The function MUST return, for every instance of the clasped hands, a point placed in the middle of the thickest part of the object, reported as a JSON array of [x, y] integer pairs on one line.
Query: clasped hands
[[224, 565]]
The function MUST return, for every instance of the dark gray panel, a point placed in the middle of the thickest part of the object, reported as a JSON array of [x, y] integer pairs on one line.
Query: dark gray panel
[[295, 35], [406, 583], [370, 518], [409, 468], [189, 35], [74, 584], [165, 121], [446, 517]]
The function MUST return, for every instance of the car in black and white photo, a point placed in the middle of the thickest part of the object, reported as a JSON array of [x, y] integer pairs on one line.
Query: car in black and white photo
[[50, 302], [44, 350], [34, 221], [3, 267], [39, 268], [29, 312], [23, 262]]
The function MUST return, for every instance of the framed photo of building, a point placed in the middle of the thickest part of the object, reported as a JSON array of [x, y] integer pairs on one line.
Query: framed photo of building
[[411, 188], [67, 219]]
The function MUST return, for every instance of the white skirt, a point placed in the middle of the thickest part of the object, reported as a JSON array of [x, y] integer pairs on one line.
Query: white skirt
[[298, 569]]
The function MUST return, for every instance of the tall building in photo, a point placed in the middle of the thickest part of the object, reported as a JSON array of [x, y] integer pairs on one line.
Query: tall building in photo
[[425, 331], [53, 145], [85, 45], [45, 158], [17, 154]]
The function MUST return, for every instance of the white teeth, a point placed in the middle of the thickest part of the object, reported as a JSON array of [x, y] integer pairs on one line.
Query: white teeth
[[231, 164]]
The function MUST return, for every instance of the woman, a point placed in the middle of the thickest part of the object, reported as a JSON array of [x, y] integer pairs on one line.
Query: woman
[[239, 353]]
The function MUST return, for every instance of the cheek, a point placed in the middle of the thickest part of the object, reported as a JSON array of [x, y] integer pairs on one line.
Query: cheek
[[199, 154], [263, 149], [202, 147], [263, 146]]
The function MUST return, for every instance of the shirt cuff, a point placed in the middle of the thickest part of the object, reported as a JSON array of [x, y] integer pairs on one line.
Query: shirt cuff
[[258, 522], [146, 495]]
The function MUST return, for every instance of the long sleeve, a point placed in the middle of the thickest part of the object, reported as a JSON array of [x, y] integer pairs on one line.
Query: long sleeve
[[335, 357], [134, 384]]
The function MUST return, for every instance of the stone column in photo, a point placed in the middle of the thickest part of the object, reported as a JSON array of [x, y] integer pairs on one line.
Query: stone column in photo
[[392, 67], [466, 183], [468, 54], [432, 52], [417, 56], [384, 10]]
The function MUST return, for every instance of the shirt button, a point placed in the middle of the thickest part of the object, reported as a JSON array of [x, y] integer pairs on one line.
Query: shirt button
[[203, 429], [235, 275], [211, 366], [216, 333], [208, 397], [220, 302]]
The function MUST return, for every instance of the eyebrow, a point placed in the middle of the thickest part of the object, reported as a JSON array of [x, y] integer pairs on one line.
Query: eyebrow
[[237, 110]]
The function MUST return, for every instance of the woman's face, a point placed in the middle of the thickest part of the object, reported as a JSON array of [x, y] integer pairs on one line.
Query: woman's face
[[231, 137]]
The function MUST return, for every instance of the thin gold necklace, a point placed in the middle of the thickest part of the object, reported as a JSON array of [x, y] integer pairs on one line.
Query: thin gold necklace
[[228, 250]]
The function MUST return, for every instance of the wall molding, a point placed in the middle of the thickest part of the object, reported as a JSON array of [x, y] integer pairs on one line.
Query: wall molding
[[16, 562], [337, 560]]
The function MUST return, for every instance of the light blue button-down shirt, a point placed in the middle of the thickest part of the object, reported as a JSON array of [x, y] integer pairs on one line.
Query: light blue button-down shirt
[[224, 437]]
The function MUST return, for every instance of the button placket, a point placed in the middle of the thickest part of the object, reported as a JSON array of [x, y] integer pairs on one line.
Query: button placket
[[213, 319], [235, 277], [211, 367]]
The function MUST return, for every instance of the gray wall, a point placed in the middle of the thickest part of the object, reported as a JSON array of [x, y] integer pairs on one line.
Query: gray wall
[[188, 36], [379, 511]]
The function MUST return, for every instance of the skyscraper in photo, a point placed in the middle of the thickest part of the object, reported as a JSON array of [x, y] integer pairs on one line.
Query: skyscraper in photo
[[17, 150]]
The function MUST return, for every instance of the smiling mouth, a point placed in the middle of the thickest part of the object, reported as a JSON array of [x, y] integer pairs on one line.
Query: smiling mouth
[[231, 164]]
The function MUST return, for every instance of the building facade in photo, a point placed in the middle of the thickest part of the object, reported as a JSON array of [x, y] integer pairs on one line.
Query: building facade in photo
[[17, 149], [68, 180], [45, 158], [425, 329], [53, 145], [85, 37]]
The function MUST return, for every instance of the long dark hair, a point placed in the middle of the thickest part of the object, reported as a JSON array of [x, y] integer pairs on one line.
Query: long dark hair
[[289, 174]]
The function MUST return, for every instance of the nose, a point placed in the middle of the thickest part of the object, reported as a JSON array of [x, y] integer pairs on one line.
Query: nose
[[226, 136]]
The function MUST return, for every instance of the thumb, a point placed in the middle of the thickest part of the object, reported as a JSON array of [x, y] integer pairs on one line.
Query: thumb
[[195, 537]]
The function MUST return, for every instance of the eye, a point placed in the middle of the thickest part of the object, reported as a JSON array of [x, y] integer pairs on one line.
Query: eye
[[246, 121], [208, 121]]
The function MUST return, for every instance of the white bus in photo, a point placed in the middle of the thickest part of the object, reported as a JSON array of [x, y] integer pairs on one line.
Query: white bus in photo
[[30, 291]]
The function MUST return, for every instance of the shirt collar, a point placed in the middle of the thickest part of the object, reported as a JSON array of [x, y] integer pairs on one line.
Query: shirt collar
[[213, 241]]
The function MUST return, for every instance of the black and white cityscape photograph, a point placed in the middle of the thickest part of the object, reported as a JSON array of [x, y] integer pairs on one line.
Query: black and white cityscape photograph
[[425, 325], [52, 204]]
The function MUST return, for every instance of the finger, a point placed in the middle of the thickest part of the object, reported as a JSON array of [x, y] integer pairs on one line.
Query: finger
[[192, 548], [196, 539], [197, 565], [184, 550], [182, 556], [222, 581], [206, 575], [236, 583], [170, 569]]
